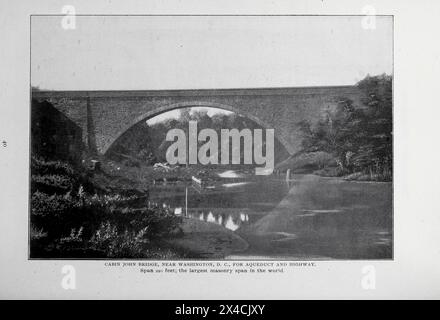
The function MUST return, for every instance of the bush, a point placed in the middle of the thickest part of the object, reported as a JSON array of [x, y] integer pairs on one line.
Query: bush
[[52, 183], [69, 221], [119, 244], [40, 166]]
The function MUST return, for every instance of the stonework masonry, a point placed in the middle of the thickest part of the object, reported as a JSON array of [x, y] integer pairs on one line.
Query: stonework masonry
[[104, 116]]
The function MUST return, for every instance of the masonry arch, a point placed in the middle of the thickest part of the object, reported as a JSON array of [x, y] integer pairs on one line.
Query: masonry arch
[[189, 104]]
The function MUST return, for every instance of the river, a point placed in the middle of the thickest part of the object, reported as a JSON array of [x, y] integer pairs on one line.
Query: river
[[308, 217]]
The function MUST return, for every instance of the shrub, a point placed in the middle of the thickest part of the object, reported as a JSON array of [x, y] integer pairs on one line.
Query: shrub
[[119, 244], [37, 234], [40, 166], [74, 240], [52, 183], [69, 221]]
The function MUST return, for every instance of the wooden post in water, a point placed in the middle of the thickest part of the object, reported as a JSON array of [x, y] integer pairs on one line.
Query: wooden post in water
[[288, 175], [186, 201]]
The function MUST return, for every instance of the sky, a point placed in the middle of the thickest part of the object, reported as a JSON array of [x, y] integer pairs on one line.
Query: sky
[[193, 52], [175, 114]]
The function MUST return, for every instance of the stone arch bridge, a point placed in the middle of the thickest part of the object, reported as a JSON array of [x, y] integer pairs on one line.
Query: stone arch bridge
[[103, 116]]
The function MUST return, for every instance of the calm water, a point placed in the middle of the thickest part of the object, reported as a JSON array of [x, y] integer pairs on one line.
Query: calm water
[[309, 217]]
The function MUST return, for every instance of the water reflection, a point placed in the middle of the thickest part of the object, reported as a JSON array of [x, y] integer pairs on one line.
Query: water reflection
[[231, 221], [319, 217], [234, 184], [231, 225], [231, 204], [229, 174], [210, 217]]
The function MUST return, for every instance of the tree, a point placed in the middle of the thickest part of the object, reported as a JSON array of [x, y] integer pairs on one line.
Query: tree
[[185, 115], [359, 137], [333, 133], [376, 151]]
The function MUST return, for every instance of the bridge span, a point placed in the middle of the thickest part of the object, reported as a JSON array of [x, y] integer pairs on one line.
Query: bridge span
[[103, 116]]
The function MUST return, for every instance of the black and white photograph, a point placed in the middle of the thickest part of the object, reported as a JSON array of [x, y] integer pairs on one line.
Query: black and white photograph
[[204, 137], [219, 156]]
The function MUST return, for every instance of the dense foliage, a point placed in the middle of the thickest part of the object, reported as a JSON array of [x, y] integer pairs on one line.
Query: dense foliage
[[358, 136], [71, 220], [147, 144]]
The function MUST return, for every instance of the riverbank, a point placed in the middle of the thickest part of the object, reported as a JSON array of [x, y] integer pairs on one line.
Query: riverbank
[[310, 217], [207, 240], [192, 238], [144, 176], [325, 165], [80, 213], [335, 172]]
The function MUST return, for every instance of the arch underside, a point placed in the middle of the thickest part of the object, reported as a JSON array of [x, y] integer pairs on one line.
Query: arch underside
[[181, 105]]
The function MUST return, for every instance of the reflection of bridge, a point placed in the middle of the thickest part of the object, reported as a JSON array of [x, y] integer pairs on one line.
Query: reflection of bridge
[[104, 116]]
